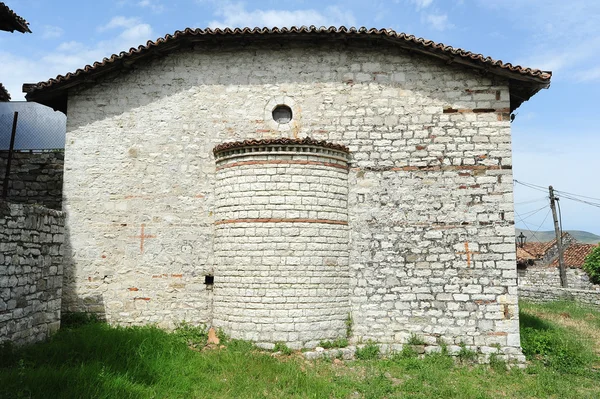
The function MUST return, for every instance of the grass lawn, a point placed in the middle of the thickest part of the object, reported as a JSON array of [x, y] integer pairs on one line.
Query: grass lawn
[[93, 360]]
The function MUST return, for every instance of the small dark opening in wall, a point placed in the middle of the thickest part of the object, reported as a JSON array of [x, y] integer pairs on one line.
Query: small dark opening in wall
[[209, 281], [282, 114]]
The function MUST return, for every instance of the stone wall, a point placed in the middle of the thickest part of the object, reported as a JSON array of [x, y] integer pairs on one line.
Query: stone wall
[[31, 254], [548, 276], [430, 204], [281, 243], [549, 294], [35, 177]]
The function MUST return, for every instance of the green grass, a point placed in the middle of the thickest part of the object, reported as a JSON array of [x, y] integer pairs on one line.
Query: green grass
[[92, 360]]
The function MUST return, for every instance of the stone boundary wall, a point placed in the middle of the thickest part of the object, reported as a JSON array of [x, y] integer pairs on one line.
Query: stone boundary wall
[[31, 255], [549, 294], [35, 177], [548, 276]]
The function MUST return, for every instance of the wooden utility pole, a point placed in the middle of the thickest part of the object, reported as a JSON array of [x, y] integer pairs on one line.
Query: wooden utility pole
[[561, 261]]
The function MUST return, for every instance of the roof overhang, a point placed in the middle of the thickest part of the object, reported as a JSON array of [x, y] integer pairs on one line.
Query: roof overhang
[[10, 21], [523, 82]]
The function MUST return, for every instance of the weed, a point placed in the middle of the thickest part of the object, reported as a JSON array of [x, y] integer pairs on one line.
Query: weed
[[349, 325], [337, 343], [223, 338], [496, 363], [192, 336], [465, 354], [368, 352], [414, 339], [407, 352], [283, 348], [443, 346]]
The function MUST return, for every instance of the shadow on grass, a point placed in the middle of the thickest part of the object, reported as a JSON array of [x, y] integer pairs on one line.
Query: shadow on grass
[[92, 359], [527, 320]]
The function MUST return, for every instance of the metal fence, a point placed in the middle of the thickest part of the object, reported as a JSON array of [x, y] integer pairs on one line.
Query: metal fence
[[38, 128], [27, 127]]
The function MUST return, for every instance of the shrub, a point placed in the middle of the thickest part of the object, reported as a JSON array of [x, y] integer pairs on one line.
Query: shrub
[[368, 352], [591, 265]]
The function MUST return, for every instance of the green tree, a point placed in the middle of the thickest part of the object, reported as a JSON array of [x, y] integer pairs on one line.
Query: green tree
[[591, 265]]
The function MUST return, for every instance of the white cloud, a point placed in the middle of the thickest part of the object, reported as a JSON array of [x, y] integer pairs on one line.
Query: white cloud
[[119, 22], [561, 36], [587, 75], [154, 6], [236, 15], [51, 32], [438, 21], [69, 56], [421, 4]]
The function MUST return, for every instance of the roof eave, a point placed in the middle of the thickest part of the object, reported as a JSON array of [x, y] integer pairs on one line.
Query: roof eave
[[523, 84]]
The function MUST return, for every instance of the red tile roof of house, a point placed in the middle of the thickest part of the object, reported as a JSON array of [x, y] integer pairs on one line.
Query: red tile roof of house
[[575, 254], [523, 254], [524, 82], [9, 21], [538, 249]]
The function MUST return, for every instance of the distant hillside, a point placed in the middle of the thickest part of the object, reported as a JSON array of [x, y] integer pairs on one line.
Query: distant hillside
[[582, 236]]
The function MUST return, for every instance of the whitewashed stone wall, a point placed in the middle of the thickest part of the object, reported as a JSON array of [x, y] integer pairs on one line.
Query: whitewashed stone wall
[[281, 244], [31, 253], [430, 170]]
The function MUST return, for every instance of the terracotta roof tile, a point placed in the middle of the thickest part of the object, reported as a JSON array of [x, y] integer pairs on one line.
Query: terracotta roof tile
[[575, 254], [9, 21], [528, 80], [538, 249], [523, 254], [279, 141]]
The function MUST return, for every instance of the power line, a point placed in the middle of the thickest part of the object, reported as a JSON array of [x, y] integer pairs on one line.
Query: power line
[[527, 226], [531, 213], [532, 201], [562, 194]]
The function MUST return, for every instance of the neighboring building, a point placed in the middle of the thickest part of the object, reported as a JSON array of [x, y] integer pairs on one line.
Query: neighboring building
[[10, 22], [192, 195], [574, 255], [542, 253], [537, 264]]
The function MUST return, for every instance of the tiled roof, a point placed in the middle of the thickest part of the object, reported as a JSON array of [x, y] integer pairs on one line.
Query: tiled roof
[[4, 94], [525, 82], [280, 141], [538, 249], [575, 254], [523, 254], [9, 21]]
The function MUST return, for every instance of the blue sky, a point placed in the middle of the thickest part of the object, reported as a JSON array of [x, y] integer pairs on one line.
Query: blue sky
[[555, 139]]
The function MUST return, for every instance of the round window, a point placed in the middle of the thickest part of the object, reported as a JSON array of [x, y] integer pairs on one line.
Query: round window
[[282, 114]]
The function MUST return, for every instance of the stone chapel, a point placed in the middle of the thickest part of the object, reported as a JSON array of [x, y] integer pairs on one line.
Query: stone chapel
[[286, 184]]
